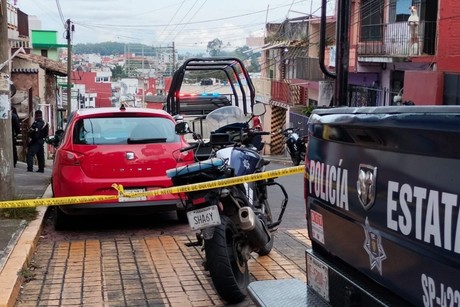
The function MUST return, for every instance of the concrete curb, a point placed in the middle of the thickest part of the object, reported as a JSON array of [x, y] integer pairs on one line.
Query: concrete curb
[[19, 258]]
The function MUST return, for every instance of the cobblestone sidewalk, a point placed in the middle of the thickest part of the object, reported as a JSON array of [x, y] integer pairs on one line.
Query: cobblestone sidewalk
[[146, 271]]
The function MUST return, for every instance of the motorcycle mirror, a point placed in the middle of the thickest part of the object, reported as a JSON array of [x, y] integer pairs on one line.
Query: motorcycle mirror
[[258, 109], [55, 139], [182, 128]]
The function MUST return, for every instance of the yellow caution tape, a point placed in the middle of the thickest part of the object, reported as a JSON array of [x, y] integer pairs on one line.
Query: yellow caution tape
[[59, 201], [215, 183]]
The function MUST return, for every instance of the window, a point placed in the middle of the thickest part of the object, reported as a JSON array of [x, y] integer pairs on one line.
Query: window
[[102, 79], [124, 130], [399, 10], [371, 20]]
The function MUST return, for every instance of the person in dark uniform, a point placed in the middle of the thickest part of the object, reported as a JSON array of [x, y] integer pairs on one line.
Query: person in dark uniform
[[16, 128], [37, 134]]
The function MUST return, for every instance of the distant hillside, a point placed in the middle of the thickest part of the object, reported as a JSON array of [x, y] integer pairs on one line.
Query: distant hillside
[[108, 48]]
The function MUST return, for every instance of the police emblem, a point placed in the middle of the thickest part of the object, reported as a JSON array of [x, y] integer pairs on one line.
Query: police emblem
[[246, 163], [373, 247], [367, 178]]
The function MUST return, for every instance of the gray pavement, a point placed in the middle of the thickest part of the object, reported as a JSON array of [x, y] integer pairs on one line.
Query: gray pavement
[[28, 185]]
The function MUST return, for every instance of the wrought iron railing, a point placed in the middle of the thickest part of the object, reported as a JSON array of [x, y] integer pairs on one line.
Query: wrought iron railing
[[398, 39], [361, 96]]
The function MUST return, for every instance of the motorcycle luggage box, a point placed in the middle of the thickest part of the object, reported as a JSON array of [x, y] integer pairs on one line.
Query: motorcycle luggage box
[[382, 195]]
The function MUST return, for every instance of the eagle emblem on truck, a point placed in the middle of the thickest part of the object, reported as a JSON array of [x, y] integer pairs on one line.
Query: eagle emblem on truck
[[366, 185]]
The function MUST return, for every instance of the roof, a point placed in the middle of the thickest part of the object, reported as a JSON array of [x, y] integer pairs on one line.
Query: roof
[[105, 110], [45, 63]]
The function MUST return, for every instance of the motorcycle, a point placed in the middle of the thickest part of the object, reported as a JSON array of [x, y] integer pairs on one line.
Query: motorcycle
[[232, 221], [295, 144]]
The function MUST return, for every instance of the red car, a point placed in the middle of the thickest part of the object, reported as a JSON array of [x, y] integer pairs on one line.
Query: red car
[[129, 146]]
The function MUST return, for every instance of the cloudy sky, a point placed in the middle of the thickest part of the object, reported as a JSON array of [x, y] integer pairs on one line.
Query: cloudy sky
[[191, 24]]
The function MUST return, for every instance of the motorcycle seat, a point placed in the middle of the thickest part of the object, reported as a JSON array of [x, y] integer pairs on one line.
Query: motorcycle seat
[[194, 167]]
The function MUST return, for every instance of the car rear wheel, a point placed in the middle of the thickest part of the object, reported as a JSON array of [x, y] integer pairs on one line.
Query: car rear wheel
[[61, 220], [182, 216]]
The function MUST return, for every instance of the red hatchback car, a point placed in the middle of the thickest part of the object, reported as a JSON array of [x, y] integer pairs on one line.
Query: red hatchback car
[[129, 146]]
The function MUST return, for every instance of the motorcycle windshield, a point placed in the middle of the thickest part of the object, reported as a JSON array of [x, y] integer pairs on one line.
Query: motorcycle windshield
[[225, 116]]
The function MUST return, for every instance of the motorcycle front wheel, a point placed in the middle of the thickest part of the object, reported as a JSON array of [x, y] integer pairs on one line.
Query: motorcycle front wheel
[[229, 271]]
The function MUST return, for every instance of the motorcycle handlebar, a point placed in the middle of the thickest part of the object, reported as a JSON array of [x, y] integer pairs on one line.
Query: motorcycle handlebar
[[260, 133], [193, 146]]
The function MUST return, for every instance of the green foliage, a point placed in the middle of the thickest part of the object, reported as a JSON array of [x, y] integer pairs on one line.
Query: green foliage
[[28, 214], [113, 48], [26, 274], [214, 47], [118, 72], [307, 111]]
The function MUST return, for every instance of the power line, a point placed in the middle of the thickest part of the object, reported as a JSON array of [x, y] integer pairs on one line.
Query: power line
[[60, 12]]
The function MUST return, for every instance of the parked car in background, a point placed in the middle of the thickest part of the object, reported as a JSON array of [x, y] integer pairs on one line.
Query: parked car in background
[[129, 146]]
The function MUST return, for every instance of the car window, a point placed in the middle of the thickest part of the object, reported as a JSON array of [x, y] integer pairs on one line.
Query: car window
[[124, 130]]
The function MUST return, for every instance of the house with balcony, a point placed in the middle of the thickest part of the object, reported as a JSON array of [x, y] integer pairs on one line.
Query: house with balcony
[[404, 48], [291, 78], [33, 75]]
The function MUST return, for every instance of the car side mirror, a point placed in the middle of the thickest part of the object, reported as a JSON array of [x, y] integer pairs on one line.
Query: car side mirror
[[182, 128]]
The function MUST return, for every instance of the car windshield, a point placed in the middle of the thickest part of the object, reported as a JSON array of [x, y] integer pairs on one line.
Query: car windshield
[[124, 130]]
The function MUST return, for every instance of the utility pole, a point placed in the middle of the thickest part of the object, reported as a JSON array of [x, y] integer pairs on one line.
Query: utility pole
[[69, 30], [6, 147], [173, 59]]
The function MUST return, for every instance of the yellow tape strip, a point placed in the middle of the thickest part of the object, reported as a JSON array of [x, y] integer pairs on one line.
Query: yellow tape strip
[[215, 183], [59, 201]]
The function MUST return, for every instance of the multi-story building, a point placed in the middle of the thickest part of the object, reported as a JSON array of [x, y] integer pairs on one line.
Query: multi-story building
[[410, 48], [34, 71], [400, 50], [92, 89], [291, 78]]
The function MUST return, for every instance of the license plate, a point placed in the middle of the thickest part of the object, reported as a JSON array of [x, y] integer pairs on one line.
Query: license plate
[[317, 277], [203, 218], [122, 199]]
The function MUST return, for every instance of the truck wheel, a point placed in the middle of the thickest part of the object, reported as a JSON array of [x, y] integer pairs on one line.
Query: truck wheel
[[61, 220], [229, 271]]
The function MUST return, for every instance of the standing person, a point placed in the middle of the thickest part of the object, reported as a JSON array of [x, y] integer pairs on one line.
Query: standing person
[[37, 133], [16, 128]]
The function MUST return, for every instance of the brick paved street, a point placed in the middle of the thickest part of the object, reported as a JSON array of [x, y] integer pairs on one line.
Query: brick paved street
[[144, 271]]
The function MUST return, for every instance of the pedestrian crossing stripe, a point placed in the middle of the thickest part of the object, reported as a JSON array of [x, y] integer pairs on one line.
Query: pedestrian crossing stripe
[[72, 200]]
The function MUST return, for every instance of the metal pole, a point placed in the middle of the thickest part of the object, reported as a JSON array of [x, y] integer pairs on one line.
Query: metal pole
[[69, 67], [6, 149], [342, 53]]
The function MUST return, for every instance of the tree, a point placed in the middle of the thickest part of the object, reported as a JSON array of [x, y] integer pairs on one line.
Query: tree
[[214, 47], [118, 72]]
